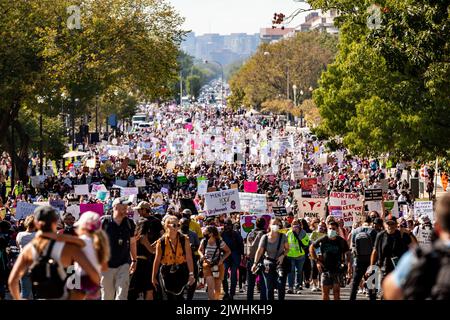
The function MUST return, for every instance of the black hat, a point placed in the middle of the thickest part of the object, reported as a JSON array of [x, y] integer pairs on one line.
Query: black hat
[[377, 221], [389, 218], [46, 214]]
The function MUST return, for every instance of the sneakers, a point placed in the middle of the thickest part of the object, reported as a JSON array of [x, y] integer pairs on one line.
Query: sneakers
[[315, 289], [290, 291], [298, 291], [360, 291]]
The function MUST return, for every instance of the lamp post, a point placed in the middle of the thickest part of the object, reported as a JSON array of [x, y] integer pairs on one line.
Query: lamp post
[[40, 100]]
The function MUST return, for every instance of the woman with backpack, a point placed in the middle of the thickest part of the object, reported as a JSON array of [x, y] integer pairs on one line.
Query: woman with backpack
[[42, 255], [274, 247], [211, 249], [173, 261]]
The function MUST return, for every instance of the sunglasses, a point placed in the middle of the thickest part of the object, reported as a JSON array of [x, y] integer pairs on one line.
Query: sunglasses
[[174, 225]]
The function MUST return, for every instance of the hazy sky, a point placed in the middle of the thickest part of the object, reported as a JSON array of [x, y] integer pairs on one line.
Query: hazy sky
[[229, 16]]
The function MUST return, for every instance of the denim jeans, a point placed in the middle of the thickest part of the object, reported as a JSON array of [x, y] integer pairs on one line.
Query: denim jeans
[[251, 282], [230, 265], [296, 263], [359, 270], [26, 288], [273, 281]]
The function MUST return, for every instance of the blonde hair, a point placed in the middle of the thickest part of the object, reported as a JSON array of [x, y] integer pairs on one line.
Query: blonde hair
[[29, 222], [170, 220], [101, 246]]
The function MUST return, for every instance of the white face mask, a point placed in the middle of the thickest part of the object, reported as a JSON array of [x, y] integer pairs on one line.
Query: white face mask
[[332, 233], [275, 228]]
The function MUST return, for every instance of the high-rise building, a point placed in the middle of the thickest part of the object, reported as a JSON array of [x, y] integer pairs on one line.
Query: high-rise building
[[268, 35]]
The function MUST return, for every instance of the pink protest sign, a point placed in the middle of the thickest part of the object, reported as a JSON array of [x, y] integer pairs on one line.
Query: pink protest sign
[[188, 126], [94, 207], [251, 186]]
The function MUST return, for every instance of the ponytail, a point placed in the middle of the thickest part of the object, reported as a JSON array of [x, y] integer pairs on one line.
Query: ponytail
[[101, 246]]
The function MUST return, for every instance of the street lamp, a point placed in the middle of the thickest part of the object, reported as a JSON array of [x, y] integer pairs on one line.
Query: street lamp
[[294, 87], [41, 100]]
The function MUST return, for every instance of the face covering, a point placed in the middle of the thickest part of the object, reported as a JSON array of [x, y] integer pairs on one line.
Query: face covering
[[332, 233], [274, 228]]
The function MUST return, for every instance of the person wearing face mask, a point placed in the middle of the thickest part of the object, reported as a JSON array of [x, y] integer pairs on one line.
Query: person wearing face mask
[[195, 243], [318, 233], [274, 247], [334, 252], [253, 239], [298, 242]]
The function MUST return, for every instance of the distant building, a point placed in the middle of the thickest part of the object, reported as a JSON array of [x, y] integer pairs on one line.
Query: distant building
[[268, 35], [223, 48], [321, 21]]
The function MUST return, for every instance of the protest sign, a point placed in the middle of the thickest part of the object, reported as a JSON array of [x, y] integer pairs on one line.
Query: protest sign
[[297, 170], [82, 189], [279, 211], [373, 194], [348, 206], [253, 202], [220, 202], [202, 187], [121, 183], [311, 207], [392, 206], [285, 187], [424, 207], [58, 204], [251, 186], [424, 237], [24, 209], [74, 210], [375, 206], [248, 222], [98, 187], [114, 192], [139, 183], [91, 163], [129, 191], [94, 207], [309, 188], [101, 195], [158, 198]]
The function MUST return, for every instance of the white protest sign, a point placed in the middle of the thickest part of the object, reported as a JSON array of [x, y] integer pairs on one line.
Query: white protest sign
[[74, 210], [91, 163], [424, 237], [253, 202], [24, 209], [202, 187], [348, 206], [128, 191], [220, 202], [297, 170], [311, 207], [81, 189], [139, 183], [424, 207]]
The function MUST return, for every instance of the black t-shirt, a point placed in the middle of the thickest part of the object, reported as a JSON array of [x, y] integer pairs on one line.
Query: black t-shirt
[[155, 228], [332, 252], [119, 240], [390, 246]]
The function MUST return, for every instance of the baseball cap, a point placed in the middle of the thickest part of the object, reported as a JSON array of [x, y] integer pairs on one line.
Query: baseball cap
[[390, 218], [121, 200], [143, 205], [187, 211], [378, 221], [46, 214], [89, 221]]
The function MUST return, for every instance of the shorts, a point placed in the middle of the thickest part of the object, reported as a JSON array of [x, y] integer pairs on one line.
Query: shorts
[[330, 279], [207, 272]]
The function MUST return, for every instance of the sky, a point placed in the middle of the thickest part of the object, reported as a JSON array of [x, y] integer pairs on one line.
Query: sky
[[232, 16]]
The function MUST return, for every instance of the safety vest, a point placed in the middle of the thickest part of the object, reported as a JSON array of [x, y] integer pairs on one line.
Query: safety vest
[[295, 250]]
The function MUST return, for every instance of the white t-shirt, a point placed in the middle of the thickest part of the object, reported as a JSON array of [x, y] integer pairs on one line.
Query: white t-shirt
[[90, 254]]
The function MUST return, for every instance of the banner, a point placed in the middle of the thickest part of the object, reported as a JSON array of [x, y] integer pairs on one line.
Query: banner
[[311, 207], [220, 202], [82, 189], [24, 209], [253, 202], [424, 207], [348, 206], [248, 223], [94, 207], [251, 186], [202, 187]]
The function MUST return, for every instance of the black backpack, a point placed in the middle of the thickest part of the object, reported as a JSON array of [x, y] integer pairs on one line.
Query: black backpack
[[363, 243], [45, 276], [429, 278]]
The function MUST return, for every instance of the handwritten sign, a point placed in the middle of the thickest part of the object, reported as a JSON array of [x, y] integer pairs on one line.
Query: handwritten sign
[[220, 202], [82, 189], [253, 202], [348, 206]]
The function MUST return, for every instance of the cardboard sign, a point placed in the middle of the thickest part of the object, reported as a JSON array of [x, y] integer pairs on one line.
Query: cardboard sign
[[251, 186], [373, 194], [220, 202], [311, 207], [94, 207], [248, 222], [24, 209], [82, 189], [98, 187], [348, 206], [253, 202], [424, 207]]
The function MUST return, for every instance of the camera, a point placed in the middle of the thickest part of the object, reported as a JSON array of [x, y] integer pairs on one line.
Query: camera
[[215, 271]]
